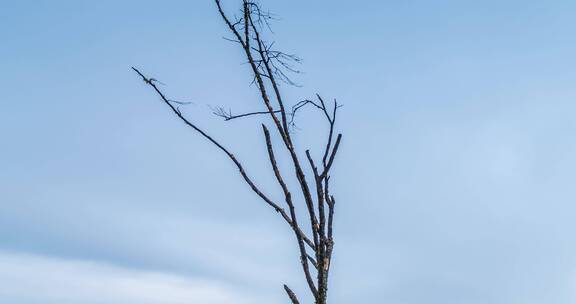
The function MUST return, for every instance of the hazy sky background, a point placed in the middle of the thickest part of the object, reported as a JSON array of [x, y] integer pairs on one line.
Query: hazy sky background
[[455, 182]]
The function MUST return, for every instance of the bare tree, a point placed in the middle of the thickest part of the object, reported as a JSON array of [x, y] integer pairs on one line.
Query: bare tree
[[270, 68]]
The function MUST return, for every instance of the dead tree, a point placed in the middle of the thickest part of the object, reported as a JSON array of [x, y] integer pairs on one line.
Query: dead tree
[[270, 67]]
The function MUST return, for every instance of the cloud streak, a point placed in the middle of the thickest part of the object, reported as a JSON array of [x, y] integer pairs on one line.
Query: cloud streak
[[29, 278]]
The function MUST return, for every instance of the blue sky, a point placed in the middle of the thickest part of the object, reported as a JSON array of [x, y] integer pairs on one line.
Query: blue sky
[[455, 181]]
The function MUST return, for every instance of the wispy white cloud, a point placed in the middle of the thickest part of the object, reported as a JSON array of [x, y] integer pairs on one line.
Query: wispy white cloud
[[28, 278]]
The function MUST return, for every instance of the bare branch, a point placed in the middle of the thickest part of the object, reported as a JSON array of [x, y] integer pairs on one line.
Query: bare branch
[[282, 184], [331, 217], [180, 102], [320, 203], [312, 261], [334, 151], [217, 144], [227, 115], [288, 196], [291, 295]]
